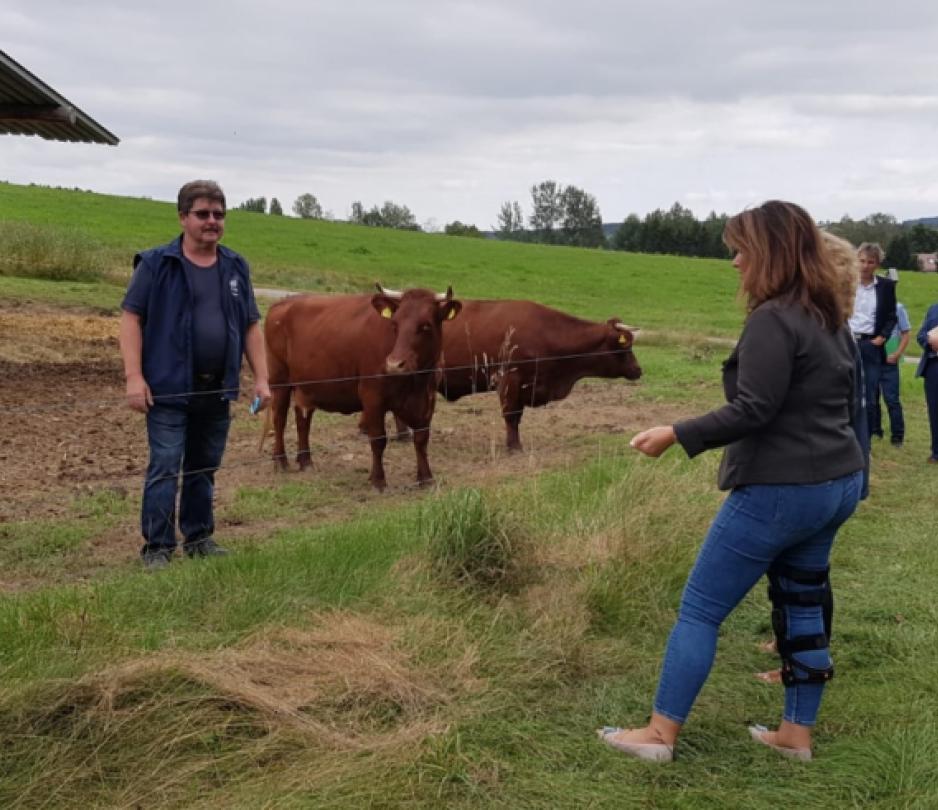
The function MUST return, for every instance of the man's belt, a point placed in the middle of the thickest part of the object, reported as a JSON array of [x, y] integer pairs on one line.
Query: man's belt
[[862, 336], [207, 382]]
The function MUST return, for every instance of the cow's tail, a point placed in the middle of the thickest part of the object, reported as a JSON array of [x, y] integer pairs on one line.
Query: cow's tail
[[266, 430]]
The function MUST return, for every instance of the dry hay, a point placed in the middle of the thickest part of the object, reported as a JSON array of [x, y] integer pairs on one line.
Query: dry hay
[[345, 684], [39, 335]]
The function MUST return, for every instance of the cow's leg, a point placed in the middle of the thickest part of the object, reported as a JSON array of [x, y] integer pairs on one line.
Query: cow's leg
[[401, 429], [303, 417], [279, 407], [421, 431], [509, 393], [372, 422]]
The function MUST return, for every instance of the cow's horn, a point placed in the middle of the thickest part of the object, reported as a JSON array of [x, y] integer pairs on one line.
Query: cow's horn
[[389, 292], [445, 296], [625, 328]]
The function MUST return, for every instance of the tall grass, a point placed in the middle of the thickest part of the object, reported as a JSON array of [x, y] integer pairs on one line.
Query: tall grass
[[472, 541], [51, 252]]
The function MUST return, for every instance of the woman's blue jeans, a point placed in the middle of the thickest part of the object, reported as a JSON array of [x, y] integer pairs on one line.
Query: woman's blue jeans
[[191, 439], [757, 525]]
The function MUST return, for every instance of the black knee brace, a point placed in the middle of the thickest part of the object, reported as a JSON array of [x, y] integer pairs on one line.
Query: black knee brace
[[819, 595]]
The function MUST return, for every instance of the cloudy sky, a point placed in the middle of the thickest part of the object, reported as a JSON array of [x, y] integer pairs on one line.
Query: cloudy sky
[[452, 108]]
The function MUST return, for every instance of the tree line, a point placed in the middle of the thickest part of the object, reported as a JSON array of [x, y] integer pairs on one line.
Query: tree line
[[567, 215], [901, 242]]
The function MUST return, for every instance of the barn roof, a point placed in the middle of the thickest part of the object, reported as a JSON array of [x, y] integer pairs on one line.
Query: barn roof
[[28, 106]]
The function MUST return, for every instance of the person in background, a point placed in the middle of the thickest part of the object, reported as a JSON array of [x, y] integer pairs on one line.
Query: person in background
[[927, 338], [844, 256], [890, 378], [189, 315], [794, 470], [872, 321]]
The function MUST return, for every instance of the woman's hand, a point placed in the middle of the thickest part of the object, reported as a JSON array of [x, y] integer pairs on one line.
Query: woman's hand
[[654, 441]]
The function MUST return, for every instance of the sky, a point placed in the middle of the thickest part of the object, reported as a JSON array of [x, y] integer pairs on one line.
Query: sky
[[453, 108]]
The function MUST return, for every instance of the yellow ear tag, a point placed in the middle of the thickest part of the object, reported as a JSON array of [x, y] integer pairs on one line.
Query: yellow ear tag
[[622, 340], [451, 314], [386, 312]]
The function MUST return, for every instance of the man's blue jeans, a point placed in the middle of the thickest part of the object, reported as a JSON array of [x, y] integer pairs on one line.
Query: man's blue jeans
[[190, 438], [757, 525], [889, 380]]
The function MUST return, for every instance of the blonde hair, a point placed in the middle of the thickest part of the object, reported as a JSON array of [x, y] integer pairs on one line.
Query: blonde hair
[[788, 258], [844, 257]]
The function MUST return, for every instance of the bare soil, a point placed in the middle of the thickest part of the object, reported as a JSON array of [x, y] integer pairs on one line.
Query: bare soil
[[67, 433]]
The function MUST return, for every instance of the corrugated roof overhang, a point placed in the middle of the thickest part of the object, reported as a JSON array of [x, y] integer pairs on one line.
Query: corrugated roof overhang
[[28, 106]]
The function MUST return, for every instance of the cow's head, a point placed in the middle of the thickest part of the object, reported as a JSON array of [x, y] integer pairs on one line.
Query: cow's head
[[620, 340], [417, 318]]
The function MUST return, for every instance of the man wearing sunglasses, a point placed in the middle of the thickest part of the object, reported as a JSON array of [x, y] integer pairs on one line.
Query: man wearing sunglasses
[[189, 315]]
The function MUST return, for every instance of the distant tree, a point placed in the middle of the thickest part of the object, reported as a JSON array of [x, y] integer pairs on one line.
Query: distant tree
[[712, 236], [257, 205], [675, 231], [628, 236], [510, 221], [276, 209], [655, 233], [306, 206], [879, 227], [398, 216], [582, 224], [922, 238], [457, 228], [899, 254], [389, 215], [547, 210]]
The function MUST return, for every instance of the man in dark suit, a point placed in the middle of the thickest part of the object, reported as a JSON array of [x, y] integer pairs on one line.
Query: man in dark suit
[[874, 318]]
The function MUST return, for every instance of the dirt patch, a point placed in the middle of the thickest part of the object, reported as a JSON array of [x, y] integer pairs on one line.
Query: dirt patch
[[67, 432]]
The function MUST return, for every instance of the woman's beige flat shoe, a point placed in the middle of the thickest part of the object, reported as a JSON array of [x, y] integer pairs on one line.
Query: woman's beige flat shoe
[[653, 752], [771, 676], [758, 734]]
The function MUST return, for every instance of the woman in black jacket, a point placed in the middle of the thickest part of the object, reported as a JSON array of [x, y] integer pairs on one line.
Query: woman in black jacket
[[793, 468]]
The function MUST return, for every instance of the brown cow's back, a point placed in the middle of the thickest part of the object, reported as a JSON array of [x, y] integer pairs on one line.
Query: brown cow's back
[[322, 344], [531, 354], [532, 330]]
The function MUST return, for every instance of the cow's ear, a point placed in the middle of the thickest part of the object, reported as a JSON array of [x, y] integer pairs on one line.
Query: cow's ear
[[449, 310], [384, 305]]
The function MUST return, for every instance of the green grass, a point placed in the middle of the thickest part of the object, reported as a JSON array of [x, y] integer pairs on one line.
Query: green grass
[[331, 664]]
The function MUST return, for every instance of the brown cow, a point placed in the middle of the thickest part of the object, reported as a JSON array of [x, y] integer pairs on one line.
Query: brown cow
[[350, 353], [531, 354]]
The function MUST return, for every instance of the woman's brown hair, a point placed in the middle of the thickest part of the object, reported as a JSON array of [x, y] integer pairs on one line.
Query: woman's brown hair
[[789, 259]]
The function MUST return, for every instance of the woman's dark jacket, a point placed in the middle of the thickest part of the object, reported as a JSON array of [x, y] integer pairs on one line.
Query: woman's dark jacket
[[791, 388]]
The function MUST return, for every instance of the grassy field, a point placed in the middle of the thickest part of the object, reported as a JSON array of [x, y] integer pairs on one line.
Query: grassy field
[[456, 648], [657, 292]]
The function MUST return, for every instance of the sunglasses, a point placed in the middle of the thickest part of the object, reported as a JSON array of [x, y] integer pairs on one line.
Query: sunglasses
[[204, 214]]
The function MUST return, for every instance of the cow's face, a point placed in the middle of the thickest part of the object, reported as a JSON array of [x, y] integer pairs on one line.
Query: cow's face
[[417, 319], [620, 340]]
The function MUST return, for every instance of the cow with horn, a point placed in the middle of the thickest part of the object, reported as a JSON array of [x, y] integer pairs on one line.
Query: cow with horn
[[358, 353], [530, 354]]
